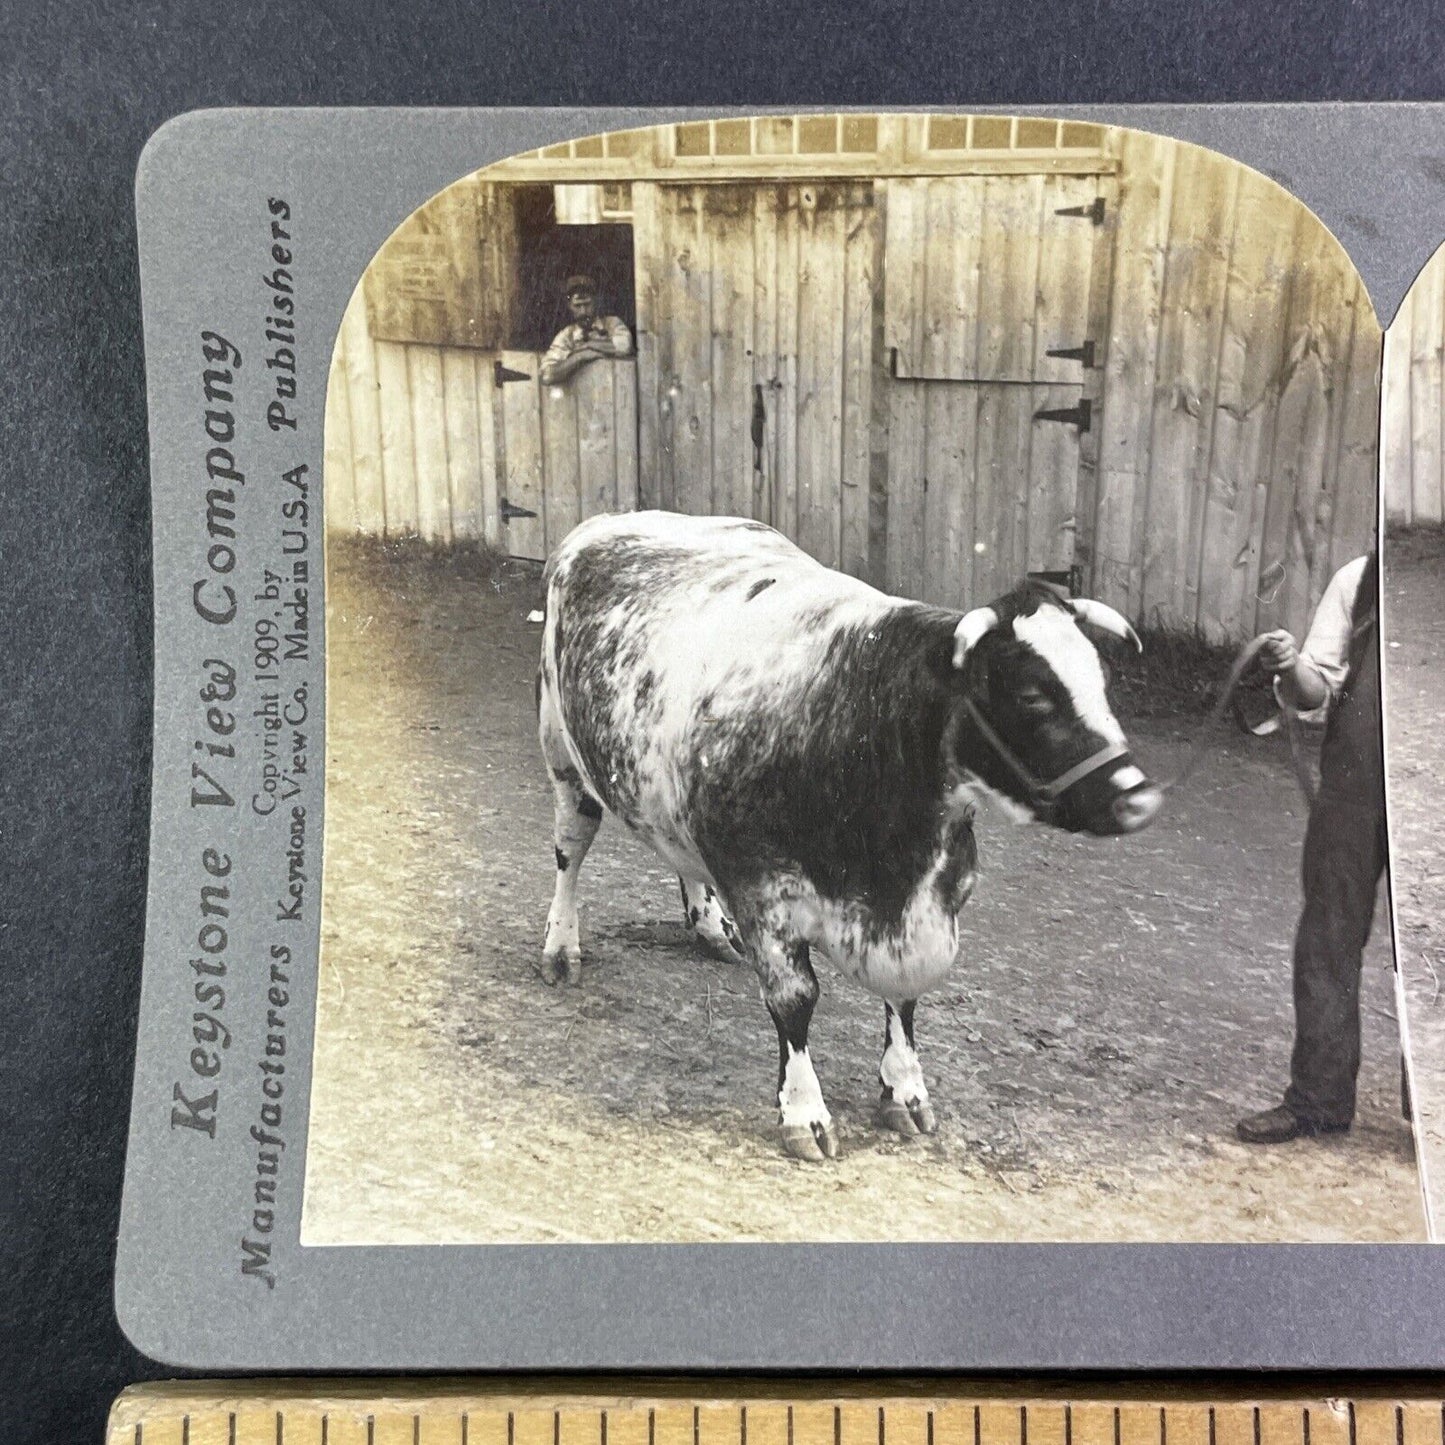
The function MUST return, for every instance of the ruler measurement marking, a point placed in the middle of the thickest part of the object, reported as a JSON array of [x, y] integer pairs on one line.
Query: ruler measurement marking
[[1366, 1421]]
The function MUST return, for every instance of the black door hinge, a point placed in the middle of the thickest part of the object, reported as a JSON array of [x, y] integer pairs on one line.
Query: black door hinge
[[1080, 416], [1094, 211], [511, 512], [1084, 354], [501, 375]]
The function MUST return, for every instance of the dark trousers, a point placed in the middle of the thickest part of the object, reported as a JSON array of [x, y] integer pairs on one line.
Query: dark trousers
[[1344, 856]]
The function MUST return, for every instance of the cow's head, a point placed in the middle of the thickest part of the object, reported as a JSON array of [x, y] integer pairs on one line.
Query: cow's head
[[1036, 725]]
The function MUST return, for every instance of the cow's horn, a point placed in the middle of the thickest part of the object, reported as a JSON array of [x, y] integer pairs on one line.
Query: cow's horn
[[1105, 619], [972, 626]]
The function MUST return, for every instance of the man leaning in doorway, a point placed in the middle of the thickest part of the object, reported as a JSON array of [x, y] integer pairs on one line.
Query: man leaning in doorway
[[589, 338], [1344, 852]]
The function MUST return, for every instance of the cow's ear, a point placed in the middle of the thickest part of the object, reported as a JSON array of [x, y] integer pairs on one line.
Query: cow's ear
[[970, 629]]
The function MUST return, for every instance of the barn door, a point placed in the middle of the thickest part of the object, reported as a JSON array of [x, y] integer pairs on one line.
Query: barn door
[[565, 452], [755, 348], [995, 315]]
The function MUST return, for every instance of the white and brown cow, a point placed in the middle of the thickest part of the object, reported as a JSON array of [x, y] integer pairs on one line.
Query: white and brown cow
[[807, 752]]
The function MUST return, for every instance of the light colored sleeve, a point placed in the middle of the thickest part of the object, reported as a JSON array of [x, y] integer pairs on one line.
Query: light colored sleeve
[[621, 336], [1327, 645], [560, 349]]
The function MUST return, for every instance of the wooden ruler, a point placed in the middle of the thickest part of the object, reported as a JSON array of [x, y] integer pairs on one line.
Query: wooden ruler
[[888, 1412]]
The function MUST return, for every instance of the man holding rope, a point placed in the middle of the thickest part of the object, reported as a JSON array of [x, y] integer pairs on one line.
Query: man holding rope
[[1344, 851]]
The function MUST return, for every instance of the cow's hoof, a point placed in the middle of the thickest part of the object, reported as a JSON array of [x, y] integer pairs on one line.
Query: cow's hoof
[[562, 968], [907, 1119], [813, 1142]]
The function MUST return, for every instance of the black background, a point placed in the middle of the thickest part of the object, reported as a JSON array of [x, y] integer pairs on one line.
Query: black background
[[83, 87]]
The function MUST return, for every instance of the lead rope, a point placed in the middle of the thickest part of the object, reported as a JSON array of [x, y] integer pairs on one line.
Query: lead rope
[[1242, 661]]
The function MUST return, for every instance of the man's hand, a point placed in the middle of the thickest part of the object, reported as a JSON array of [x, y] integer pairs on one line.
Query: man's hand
[[1300, 683], [1280, 652]]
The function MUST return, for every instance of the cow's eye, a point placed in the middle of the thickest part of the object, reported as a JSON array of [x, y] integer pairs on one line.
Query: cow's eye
[[1034, 700]]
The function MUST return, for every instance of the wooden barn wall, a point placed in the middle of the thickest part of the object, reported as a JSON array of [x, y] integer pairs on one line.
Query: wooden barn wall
[[410, 438], [1230, 467], [1413, 466], [1237, 456], [760, 297], [984, 279]]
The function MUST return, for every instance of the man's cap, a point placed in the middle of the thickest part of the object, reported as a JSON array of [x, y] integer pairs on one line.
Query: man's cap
[[583, 284]]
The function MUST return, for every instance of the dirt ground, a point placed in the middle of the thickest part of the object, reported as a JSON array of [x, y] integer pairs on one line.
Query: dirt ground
[[1117, 1005], [1415, 758]]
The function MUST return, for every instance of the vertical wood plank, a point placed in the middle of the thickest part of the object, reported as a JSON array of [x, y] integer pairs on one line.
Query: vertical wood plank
[[1097, 329], [951, 277], [363, 397], [429, 442], [1066, 257], [785, 490], [765, 352], [649, 252], [624, 433], [562, 410], [1357, 508], [398, 455], [822, 214], [1398, 423], [339, 483], [1253, 345], [1006, 347], [521, 453], [463, 444], [905, 249], [1140, 243], [905, 253], [595, 437], [860, 268], [1182, 395], [489, 427], [730, 233], [692, 273], [1426, 376]]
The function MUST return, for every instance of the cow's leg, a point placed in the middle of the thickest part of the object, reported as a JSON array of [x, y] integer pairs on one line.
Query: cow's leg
[[703, 911], [576, 817], [904, 1103], [790, 990]]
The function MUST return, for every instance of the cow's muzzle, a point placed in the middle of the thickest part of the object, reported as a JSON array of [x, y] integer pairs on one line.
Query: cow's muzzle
[[1136, 808]]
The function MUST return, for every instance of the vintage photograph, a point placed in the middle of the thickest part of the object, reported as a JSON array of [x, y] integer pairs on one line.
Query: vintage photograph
[[1413, 472], [853, 702]]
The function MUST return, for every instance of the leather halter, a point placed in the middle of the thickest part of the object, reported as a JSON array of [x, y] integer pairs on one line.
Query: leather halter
[[1039, 791]]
